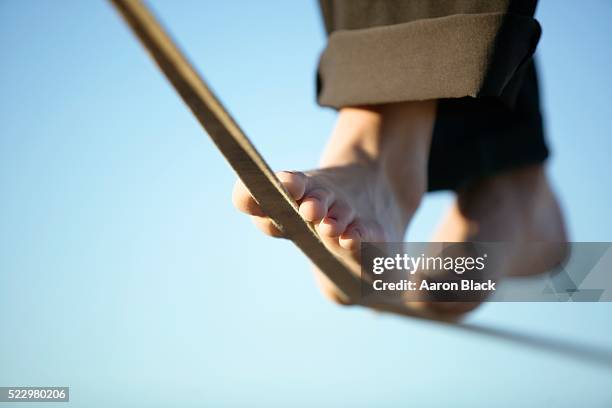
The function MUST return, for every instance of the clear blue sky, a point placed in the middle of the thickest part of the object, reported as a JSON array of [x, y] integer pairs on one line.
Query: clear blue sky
[[126, 274]]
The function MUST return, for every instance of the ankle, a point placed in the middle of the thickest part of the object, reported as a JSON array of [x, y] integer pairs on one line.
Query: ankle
[[393, 140], [355, 138], [520, 188], [394, 132]]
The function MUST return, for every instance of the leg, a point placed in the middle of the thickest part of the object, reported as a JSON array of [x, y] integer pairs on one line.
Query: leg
[[372, 176], [398, 56], [517, 207]]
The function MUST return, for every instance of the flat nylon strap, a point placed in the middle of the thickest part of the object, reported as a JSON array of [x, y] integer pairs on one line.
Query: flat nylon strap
[[274, 199], [236, 147]]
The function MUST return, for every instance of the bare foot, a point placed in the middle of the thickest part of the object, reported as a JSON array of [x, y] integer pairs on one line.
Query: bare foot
[[371, 179], [517, 207]]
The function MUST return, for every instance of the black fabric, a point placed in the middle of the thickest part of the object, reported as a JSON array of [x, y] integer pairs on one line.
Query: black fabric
[[473, 56], [478, 137]]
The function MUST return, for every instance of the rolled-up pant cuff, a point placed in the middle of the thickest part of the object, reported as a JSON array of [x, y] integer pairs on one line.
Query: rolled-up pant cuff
[[447, 57]]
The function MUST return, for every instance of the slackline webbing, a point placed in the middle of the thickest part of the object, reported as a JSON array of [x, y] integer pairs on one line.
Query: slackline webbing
[[274, 199]]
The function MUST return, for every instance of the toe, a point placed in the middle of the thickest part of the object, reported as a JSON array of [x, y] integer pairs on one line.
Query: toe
[[266, 225], [352, 236], [244, 201], [315, 204], [294, 182], [339, 216]]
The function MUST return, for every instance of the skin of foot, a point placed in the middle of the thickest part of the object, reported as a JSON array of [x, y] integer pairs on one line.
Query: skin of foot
[[517, 207], [371, 178]]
